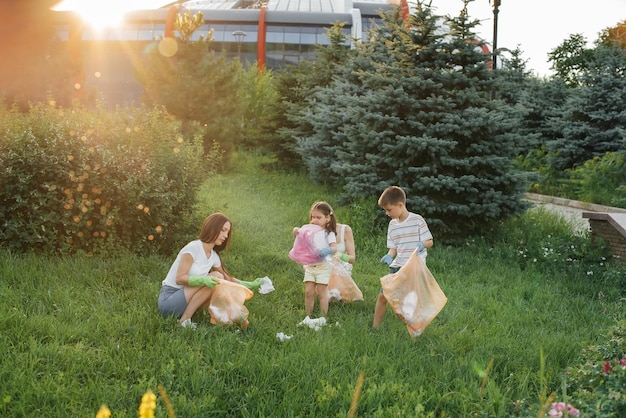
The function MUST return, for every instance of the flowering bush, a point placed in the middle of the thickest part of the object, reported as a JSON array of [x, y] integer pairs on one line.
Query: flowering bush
[[595, 388], [560, 409], [553, 246], [91, 180], [599, 384]]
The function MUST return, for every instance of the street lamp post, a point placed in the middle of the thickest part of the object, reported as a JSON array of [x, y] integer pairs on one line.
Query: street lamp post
[[496, 10], [239, 35]]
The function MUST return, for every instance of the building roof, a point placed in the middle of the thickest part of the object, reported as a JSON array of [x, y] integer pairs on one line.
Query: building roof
[[316, 6], [325, 6], [212, 4]]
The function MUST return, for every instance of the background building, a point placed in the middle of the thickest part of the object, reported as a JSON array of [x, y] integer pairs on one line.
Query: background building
[[270, 34]]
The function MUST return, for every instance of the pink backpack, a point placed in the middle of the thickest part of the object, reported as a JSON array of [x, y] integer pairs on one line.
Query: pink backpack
[[304, 250]]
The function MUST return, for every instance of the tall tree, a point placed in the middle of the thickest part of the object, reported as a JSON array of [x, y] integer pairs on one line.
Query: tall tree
[[544, 104], [596, 120], [414, 109], [614, 36], [195, 84], [295, 85], [570, 59]]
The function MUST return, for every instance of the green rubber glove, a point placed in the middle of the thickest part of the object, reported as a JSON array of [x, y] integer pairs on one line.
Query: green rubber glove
[[208, 281], [344, 257], [252, 285]]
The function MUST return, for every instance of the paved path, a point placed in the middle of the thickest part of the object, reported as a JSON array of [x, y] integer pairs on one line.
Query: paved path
[[572, 210], [573, 215]]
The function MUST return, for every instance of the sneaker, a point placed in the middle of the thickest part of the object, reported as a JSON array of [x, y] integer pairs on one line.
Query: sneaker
[[188, 324]]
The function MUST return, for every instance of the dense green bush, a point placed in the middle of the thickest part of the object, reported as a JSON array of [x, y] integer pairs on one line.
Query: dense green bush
[[195, 83], [550, 247], [601, 180], [81, 180]]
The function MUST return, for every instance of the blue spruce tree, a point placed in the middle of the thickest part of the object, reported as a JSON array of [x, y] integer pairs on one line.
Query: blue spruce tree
[[414, 108]]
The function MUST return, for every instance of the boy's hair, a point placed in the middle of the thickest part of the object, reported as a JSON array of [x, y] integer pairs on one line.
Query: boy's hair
[[392, 195], [327, 210]]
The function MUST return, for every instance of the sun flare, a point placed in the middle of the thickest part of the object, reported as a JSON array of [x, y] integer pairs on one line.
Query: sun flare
[[105, 13]]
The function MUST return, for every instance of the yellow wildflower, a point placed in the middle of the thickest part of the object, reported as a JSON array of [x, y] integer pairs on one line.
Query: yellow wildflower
[[148, 405], [104, 412]]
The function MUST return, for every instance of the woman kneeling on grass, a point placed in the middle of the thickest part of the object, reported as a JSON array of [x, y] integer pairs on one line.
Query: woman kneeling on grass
[[192, 278]]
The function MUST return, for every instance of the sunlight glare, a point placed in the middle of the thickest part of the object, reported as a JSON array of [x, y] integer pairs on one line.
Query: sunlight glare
[[98, 14], [101, 17]]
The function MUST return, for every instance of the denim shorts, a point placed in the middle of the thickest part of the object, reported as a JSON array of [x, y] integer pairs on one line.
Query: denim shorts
[[172, 301]]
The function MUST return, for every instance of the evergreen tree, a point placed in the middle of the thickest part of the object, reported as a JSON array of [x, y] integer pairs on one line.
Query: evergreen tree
[[195, 84], [414, 109], [596, 120], [515, 83], [515, 76], [295, 85], [258, 96], [545, 105]]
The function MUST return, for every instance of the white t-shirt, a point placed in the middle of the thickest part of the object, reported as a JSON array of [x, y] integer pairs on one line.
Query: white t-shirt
[[403, 236], [201, 263], [323, 239]]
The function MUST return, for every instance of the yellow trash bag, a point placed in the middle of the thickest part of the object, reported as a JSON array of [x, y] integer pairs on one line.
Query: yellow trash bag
[[227, 304], [414, 295], [341, 285]]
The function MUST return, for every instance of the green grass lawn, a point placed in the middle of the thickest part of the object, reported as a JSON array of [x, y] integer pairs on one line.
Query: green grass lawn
[[80, 332]]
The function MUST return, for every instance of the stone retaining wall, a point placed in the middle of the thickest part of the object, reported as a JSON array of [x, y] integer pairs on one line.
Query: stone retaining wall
[[605, 222], [611, 227]]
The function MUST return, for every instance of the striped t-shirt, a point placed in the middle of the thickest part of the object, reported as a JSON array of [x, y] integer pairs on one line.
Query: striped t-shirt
[[403, 236]]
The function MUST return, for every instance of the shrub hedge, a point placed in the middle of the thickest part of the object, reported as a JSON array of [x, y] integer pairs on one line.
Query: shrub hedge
[[96, 180]]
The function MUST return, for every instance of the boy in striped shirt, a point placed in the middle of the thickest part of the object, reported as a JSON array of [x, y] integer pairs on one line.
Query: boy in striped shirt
[[407, 233]]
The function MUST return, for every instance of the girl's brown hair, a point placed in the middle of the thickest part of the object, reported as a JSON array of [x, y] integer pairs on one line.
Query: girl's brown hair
[[325, 208]]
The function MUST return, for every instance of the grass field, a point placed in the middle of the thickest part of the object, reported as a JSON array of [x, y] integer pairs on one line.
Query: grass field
[[80, 332]]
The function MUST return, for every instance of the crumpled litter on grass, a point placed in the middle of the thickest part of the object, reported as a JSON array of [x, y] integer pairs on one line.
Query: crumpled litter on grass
[[283, 337], [315, 324], [267, 286]]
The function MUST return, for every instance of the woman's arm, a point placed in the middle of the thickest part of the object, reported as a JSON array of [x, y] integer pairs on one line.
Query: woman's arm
[[182, 273], [348, 239]]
